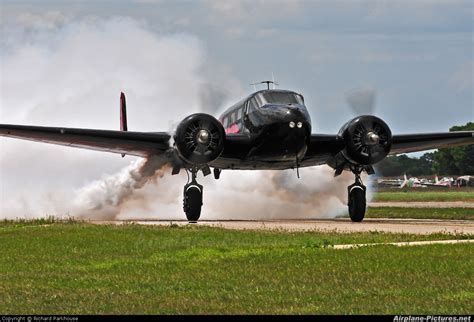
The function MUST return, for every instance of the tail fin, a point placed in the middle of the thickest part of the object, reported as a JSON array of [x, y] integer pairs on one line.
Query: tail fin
[[123, 113]]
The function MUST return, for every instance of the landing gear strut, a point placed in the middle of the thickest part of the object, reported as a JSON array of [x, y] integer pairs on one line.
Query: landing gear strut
[[356, 198], [192, 201]]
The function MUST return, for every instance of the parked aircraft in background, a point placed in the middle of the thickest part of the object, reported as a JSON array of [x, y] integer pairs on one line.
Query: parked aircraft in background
[[390, 182], [465, 181], [413, 182], [444, 182]]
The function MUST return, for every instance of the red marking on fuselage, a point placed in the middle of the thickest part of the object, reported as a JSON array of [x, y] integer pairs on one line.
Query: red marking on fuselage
[[234, 128]]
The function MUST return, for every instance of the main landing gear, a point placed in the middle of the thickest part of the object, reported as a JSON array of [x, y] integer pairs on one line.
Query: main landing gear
[[192, 201], [356, 199], [193, 191]]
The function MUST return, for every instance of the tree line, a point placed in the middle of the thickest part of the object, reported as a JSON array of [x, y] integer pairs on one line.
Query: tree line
[[453, 161]]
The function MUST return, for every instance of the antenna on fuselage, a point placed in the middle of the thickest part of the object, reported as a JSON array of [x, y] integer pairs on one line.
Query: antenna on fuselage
[[268, 82]]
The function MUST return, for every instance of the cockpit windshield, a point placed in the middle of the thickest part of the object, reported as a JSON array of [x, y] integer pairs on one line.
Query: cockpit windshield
[[275, 97]]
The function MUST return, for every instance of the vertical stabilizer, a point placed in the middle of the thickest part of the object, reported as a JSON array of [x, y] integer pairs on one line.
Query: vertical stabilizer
[[123, 113]]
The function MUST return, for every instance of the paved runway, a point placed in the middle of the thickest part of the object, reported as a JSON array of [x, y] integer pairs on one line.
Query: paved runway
[[411, 226]]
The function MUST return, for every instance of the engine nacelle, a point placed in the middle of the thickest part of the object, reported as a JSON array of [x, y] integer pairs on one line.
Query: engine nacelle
[[199, 139], [368, 140]]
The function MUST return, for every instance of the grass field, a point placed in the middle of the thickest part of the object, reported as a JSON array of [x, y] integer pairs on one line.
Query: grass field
[[421, 213], [418, 195], [48, 268]]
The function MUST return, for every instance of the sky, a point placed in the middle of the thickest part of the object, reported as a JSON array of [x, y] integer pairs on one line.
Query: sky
[[65, 63], [417, 55]]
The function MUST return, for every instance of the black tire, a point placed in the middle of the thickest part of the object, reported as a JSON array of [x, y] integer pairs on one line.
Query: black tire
[[356, 202], [193, 203]]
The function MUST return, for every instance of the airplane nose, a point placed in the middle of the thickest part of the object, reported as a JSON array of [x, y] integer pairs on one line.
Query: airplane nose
[[288, 120], [295, 117]]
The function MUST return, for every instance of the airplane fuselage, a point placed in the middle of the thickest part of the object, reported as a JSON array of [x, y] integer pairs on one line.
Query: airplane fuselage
[[277, 122]]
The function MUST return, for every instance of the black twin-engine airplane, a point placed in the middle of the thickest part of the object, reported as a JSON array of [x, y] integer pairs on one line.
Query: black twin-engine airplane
[[267, 130]]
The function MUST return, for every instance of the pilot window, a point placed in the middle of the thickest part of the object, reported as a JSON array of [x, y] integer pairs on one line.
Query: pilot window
[[260, 100], [239, 114], [252, 105], [283, 98]]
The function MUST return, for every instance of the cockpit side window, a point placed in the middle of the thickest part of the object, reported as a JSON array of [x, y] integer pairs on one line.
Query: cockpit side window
[[260, 100], [252, 105], [300, 99], [239, 114]]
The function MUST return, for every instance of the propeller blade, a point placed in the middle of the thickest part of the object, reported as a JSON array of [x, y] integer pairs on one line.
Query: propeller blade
[[362, 101], [201, 148], [205, 125]]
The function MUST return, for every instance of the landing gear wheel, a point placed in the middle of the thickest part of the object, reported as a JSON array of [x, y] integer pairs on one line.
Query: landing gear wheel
[[192, 201], [356, 201]]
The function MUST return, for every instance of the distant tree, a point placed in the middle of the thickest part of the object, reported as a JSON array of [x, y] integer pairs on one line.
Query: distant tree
[[428, 158], [398, 165], [389, 167], [456, 160]]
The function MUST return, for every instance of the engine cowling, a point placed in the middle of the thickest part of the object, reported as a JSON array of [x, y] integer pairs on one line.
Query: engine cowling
[[199, 139], [368, 140]]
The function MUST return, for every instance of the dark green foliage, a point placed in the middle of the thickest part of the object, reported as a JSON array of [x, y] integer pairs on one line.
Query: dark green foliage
[[398, 165], [456, 160]]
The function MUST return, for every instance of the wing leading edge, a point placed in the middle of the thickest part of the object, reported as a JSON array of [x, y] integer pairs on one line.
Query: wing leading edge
[[427, 141], [140, 144]]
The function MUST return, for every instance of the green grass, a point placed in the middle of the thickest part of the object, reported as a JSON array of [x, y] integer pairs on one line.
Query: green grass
[[424, 196], [55, 268], [421, 213], [46, 221]]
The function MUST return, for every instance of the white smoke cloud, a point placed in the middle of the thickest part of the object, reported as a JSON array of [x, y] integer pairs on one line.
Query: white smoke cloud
[[69, 72]]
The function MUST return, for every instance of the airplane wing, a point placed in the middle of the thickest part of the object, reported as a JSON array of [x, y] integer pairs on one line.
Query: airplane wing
[[418, 142], [140, 144], [323, 147]]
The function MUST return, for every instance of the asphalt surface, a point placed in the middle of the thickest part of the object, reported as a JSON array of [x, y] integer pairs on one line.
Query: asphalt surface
[[343, 225]]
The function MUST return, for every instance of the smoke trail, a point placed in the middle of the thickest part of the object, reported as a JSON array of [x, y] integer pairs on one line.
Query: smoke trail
[[103, 199], [278, 194], [238, 195]]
